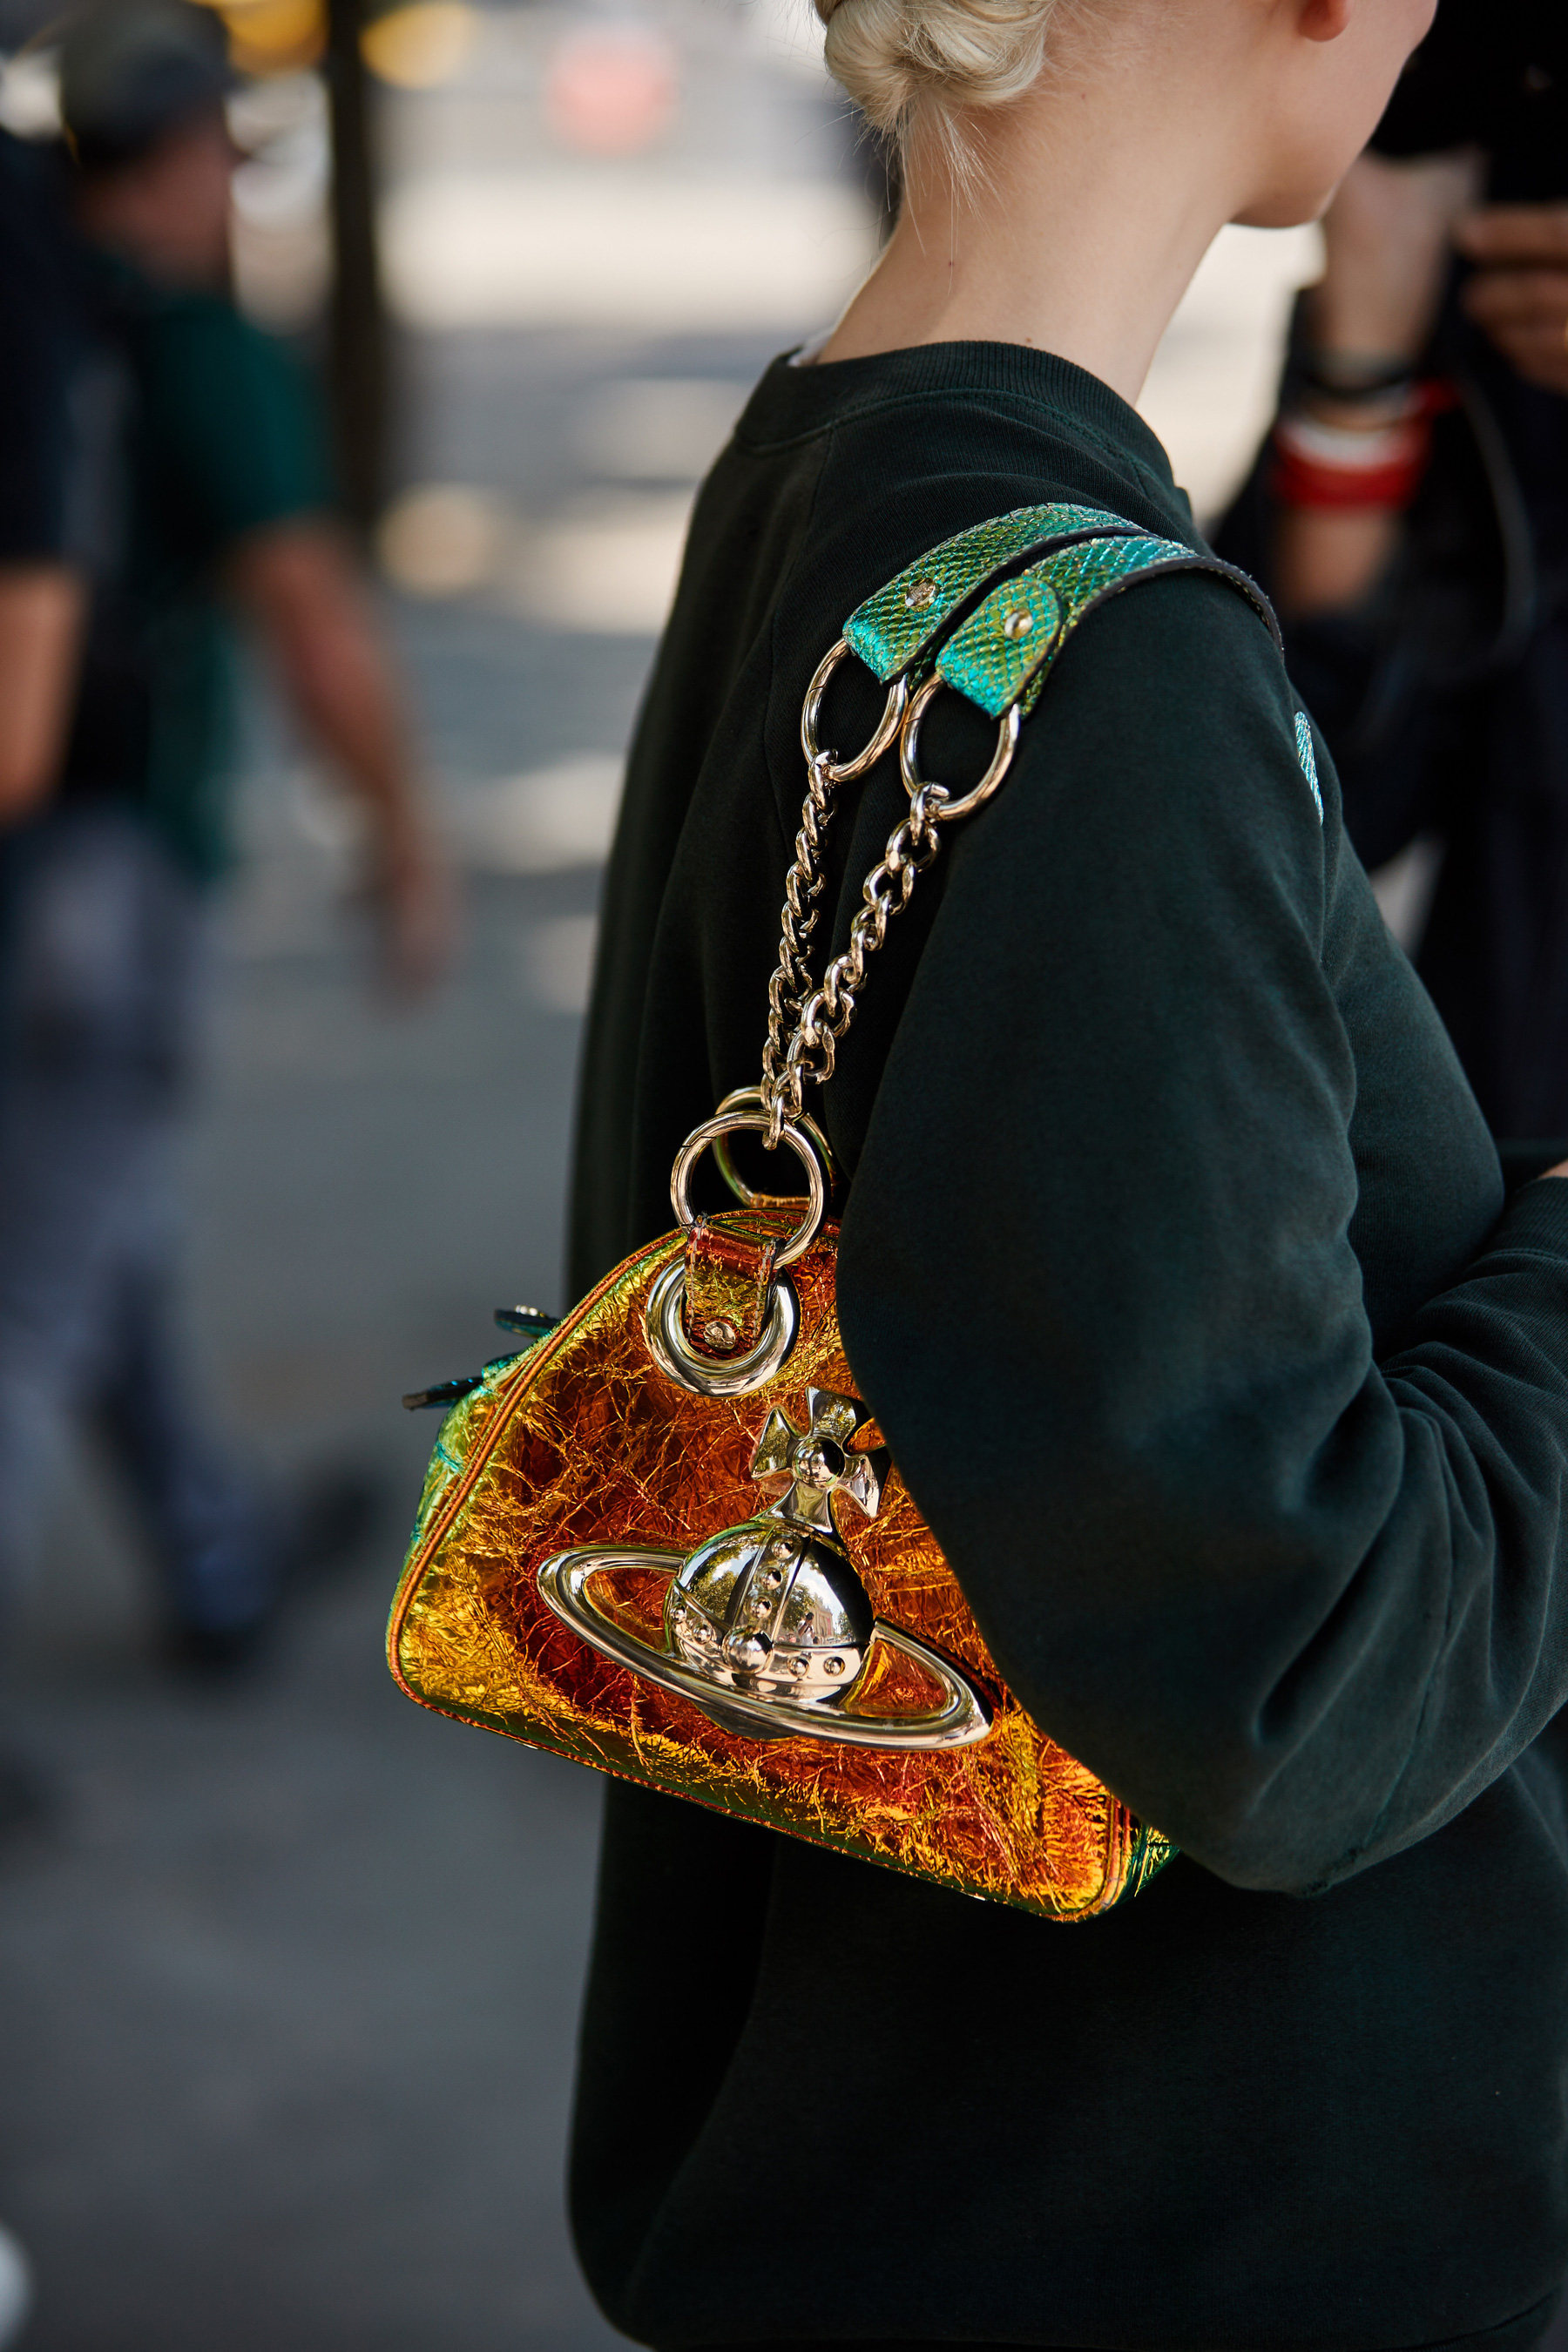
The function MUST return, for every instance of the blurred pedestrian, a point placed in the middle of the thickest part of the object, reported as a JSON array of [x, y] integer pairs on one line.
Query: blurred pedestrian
[[197, 464], [1411, 515]]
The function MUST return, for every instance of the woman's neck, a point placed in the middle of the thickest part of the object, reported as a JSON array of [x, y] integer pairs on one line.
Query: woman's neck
[[1091, 205]]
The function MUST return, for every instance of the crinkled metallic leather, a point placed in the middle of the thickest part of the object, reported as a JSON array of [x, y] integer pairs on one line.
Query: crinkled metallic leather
[[727, 1281], [582, 1440]]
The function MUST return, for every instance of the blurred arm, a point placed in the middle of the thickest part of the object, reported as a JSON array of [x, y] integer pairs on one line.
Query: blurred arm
[[299, 582], [1386, 237], [40, 632]]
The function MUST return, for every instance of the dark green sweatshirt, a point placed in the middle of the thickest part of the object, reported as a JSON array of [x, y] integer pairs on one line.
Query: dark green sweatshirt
[[1176, 1268]]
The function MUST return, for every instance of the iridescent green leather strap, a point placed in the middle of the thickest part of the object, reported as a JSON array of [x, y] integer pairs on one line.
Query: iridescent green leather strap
[[892, 629], [1004, 651]]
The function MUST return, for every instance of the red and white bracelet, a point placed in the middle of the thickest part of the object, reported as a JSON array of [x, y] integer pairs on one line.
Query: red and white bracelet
[[1320, 465]]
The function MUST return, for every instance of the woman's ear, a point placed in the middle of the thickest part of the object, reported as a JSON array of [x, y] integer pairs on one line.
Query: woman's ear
[[1325, 20]]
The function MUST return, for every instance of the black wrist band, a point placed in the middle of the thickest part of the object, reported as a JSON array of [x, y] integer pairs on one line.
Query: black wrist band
[[1347, 376]]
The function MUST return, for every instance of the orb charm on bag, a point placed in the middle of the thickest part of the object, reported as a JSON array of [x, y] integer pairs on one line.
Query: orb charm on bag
[[665, 1539]]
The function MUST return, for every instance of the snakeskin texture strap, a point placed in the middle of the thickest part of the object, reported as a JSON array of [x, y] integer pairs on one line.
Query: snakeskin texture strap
[[1005, 652], [892, 629]]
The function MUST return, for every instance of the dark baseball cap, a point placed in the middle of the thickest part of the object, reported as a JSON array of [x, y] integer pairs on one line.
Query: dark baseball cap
[[133, 70]]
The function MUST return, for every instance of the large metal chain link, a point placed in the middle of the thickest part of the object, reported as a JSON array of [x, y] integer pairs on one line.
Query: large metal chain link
[[805, 1024], [821, 1016], [791, 983]]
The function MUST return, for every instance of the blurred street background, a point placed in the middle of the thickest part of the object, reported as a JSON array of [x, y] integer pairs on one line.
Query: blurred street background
[[290, 1977]]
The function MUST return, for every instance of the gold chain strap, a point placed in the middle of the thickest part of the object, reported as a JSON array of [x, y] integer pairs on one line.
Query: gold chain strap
[[805, 1023], [998, 659]]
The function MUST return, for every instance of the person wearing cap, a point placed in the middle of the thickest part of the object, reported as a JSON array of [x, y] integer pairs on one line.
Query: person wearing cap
[[200, 468]]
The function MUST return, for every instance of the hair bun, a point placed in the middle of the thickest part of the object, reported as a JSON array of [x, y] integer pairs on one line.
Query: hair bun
[[901, 58]]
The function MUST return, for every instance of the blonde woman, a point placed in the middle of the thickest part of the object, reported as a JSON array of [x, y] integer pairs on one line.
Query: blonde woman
[[1176, 1268]]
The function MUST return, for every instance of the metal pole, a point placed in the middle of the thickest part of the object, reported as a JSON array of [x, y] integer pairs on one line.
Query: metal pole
[[358, 339]]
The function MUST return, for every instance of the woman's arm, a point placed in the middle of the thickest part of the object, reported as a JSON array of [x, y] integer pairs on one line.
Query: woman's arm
[[1096, 1281]]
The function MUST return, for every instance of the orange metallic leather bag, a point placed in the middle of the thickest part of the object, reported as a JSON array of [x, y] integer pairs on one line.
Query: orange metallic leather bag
[[665, 1538]]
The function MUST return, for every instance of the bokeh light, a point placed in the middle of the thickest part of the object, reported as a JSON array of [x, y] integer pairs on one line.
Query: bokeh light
[[421, 46], [269, 36], [611, 89], [442, 540]]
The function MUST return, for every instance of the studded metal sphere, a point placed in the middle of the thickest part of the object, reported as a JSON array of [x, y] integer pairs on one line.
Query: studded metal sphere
[[770, 1609]]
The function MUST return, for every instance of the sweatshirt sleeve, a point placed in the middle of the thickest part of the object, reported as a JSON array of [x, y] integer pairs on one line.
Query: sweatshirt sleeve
[[1296, 1606]]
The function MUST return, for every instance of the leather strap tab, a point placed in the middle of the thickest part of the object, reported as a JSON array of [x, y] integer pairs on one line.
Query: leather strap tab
[[893, 628], [1005, 649], [727, 1278]]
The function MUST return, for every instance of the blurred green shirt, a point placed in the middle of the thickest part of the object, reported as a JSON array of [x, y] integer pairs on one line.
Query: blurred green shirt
[[206, 431]]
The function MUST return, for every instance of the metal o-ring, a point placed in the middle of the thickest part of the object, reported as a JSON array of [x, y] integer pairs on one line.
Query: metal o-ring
[[751, 1098], [1007, 735], [742, 1122], [716, 1376], [844, 771]]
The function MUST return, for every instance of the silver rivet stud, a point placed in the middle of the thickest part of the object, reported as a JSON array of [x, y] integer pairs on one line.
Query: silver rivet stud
[[1019, 621], [719, 1334], [918, 594], [833, 1665]]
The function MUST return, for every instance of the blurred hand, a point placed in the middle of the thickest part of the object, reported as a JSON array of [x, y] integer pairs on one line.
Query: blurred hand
[[302, 582], [413, 900], [1519, 293]]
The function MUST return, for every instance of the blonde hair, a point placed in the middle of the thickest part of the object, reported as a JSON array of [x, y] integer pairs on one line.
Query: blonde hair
[[907, 62]]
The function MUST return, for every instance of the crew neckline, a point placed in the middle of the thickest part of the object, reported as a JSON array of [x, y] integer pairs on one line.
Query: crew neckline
[[791, 402]]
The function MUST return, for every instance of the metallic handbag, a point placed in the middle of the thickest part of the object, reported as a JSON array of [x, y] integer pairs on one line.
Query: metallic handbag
[[666, 1538]]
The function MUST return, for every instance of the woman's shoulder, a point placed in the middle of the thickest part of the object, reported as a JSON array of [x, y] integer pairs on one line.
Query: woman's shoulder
[[974, 457], [879, 489], [1044, 589], [1177, 686]]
